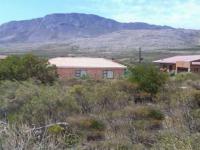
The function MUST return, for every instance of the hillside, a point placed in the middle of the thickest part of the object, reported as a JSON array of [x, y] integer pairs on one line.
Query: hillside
[[87, 32], [148, 39], [59, 27]]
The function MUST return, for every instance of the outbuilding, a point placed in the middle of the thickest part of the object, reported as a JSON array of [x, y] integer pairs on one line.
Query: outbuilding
[[176, 64]]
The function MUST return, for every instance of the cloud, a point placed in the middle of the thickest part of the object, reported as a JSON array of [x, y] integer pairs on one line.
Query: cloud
[[177, 13]]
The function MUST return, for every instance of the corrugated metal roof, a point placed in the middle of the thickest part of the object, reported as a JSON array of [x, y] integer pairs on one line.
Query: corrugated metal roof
[[84, 62], [173, 60]]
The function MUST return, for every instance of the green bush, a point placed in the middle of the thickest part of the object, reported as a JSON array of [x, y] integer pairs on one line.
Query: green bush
[[97, 125], [86, 123], [186, 76], [148, 77], [26, 67], [71, 140], [98, 97], [37, 105], [156, 114], [80, 94], [108, 97], [56, 129], [143, 112]]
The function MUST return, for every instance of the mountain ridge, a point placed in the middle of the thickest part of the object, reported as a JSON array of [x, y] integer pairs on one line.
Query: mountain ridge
[[89, 31], [64, 26]]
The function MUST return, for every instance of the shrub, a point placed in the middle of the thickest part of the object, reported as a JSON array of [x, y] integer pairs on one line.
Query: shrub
[[56, 129], [142, 112], [195, 103], [98, 97], [156, 114], [186, 76], [148, 77], [25, 67], [147, 124], [71, 140], [80, 94], [14, 95], [108, 97], [89, 127], [37, 105], [87, 123], [124, 86], [169, 141], [99, 115], [97, 125]]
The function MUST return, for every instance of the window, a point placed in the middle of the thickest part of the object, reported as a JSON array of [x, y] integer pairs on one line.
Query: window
[[80, 73], [108, 74], [196, 70]]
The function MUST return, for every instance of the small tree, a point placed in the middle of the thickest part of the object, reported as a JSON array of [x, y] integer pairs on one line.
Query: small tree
[[25, 67], [148, 78]]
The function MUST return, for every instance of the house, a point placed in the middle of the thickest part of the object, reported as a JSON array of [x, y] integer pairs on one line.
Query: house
[[2, 57], [176, 64], [97, 68]]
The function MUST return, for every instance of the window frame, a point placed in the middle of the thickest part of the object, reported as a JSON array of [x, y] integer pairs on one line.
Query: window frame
[[105, 74], [78, 73]]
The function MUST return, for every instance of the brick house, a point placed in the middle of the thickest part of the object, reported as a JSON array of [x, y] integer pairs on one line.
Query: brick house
[[97, 68], [2, 57], [176, 64]]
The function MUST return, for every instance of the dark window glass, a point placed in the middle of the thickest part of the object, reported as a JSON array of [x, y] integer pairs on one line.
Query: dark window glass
[[80, 73], [108, 74]]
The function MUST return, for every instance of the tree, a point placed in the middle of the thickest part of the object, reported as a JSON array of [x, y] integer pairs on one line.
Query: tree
[[148, 78], [25, 67]]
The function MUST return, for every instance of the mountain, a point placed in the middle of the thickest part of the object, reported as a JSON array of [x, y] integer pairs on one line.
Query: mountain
[[147, 39], [87, 31], [58, 27]]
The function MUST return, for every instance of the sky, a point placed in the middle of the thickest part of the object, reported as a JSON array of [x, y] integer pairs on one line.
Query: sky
[[175, 13]]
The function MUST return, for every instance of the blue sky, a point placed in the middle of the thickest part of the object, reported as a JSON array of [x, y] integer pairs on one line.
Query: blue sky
[[176, 13]]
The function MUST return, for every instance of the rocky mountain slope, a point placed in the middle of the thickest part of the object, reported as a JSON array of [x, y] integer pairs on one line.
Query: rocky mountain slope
[[87, 32], [147, 39]]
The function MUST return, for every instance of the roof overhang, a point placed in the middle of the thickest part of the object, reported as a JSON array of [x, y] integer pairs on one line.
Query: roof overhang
[[175, 59]]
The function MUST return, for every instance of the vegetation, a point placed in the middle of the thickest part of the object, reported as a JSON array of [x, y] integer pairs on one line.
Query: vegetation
[[148, 78], [106, 114], [26, 67]]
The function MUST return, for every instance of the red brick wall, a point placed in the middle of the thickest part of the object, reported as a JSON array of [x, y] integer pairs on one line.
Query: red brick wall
[[96, 73]]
